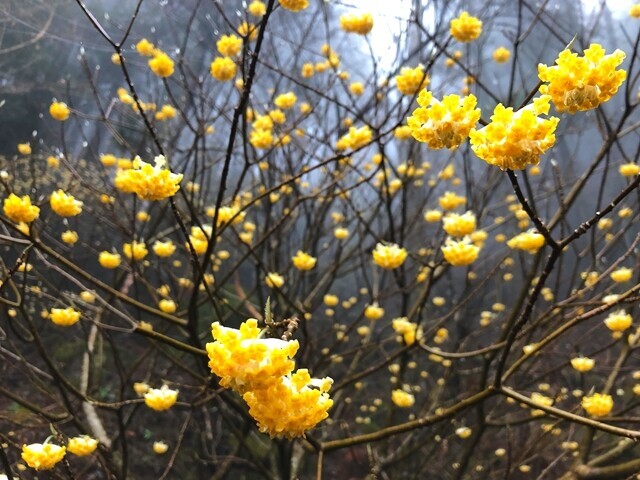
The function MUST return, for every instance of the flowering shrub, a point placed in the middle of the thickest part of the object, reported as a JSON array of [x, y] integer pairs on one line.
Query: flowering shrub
[[393, 244]]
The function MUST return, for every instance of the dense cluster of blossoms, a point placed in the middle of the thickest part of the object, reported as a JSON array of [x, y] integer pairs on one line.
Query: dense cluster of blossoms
[[360, 23], [583, 364], [465, 28], [459, 225], [446, 123], [223, 69], [411, 80], [283, 402], [294, 5], [229, 45], [42, 456], [160, 399], [460, 252], [148, 182], [19, 209], [82, 446], [581, 83], [64, 204], [402, 399], [389, 256], [59, 111], [355, 138], [514, 140], [618, 321], [410, 331], [64, 317], [161, 64], [303, 261], [528, 241], [598, 404]]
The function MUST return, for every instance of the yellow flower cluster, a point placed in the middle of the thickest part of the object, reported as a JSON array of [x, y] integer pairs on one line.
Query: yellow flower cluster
[[148, 182], [410, 80], [65, 205], [283, 403], [257, 8], [82, 446], [389, 256], [160, 399], [634, 11], [303, 261], [145, 48], [528, 241], [229, 45], [621, 275], [274, 280], [501, 55], [356, 23], [629, 169], [59, 111], [294, 5], [460, 252], [64, 317], [465, 28], [409, 330], [583, 364], [451, 201], [443, 124], [459, 225], [285, 101], [109, 260], [373, 311], [402, 399], [598, 404], [164, 249], [618, 321], [199, 238], [161, 64], [42, 456], [223, 69], [582, 83], [24, 148], [19, 209], [135, 250], [356, 138], [514, 140]]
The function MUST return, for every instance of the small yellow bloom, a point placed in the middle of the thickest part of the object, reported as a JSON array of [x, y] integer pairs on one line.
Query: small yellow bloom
[[501, 55], [629, 169], [597, 405], [229, 45], [433, 216], [223, 69], [583, 364], [446, 123], [409, 330], [634, 11], [59, 111], [82, 446], [402, 399], [463, 432], [64, 317], [389, 256], [331, 300], [167, 305], [285, 101], [356, 88], [618, 321], [24, 148], [514, 140], [303, 261], [257, 8], [160, 399], [149, 182], [109, 260], [42, 456], [140, 388], [53, 162], [373, 311], [460, 253], [451, 201], [248, 31], [294, 5], [411, 80], [528, 241], [356, 138], [164, 249], [341, 233], [160, 448], [582, 83], [87, 296], [621, 275], [274, 280], [161, 64], [360, 23], [459, 225], [465, 28], [135, 250], [145, 48], [64, 204], [19, 209], [115, 59]]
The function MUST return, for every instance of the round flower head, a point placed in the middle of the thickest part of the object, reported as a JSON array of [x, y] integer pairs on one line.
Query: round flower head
[[229, 45], [501, 55], [160, 448], [355, 138], [161, 64], [145, 48], [261, 139], [629, 170], [402, 399], [19, 209], [290, 405], [621, 275], [360, 23], [583, 364], [597, 405], [304, 261], [407, 329], [69, 237], [164, 249], [274, 280], [285, 101], [443, 124], [618, 321], [59, 111], [109, 260], [152, 182], [528, 241], [373, 311], [82, 446], [582, 83], [223, 69], [411, 80], [459, 225], [451, 201], [160, 399], [64, 317], [257, 8], [135, 250], [24, 148], [294, 5], [465, 28], [460, 253], [243, 361], [64, 204], [389, 256], [42, 456], [514, 140]]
